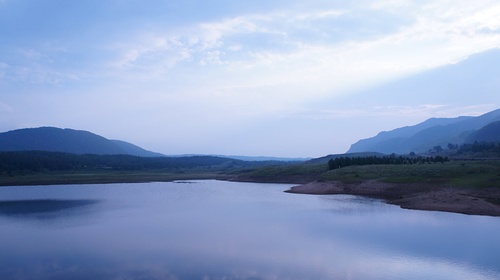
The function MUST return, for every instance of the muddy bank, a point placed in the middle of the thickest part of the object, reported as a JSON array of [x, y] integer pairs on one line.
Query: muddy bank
[[415, 196]]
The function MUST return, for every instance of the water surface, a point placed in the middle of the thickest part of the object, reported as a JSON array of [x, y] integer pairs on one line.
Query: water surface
[[225, 230]]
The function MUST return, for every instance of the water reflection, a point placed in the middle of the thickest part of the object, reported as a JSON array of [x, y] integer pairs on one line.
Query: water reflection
[[223, 230], [42, 208]]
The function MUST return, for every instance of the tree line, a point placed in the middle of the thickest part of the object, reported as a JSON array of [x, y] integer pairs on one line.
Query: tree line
[[36, 161], [476, 147], [340, 162], [469, 148]]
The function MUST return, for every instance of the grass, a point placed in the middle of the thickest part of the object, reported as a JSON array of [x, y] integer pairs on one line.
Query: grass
[[477, 174], [290, 173], [103, 177], [454, 173]]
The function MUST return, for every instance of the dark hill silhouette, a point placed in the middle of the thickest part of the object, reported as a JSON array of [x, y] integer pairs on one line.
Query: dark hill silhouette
[[388, 142], [488, 133], [131, 149], [424, 136], [471, 79], [67, 141]]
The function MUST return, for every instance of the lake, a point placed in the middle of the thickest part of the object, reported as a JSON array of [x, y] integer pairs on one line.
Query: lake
[[212, 229]]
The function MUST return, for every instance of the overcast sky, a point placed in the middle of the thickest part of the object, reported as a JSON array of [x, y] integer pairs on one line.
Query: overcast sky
[[274, 77]]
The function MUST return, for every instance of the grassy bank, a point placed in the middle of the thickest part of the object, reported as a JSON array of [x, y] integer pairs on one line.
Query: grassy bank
[[460, 186], [102, 177], [462, 173], [454, 173], [466, 174], [290, 173]]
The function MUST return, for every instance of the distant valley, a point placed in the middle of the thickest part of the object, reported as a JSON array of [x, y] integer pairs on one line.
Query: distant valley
[[53, 139], [421, 138], [465, 169], [50, 155]]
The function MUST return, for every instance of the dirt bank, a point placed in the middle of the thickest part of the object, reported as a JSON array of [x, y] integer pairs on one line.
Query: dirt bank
[[415, 196]]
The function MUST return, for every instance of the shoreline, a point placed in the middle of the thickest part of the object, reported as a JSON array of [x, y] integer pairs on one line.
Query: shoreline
[[413, 196]]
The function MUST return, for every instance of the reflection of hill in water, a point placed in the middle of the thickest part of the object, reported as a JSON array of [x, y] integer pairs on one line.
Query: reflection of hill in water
[[34, 208]]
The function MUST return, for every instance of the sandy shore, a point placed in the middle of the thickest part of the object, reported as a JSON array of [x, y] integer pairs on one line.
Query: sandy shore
[[414, 196]]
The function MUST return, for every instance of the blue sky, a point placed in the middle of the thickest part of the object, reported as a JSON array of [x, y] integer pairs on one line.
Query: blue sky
[[278, 78]]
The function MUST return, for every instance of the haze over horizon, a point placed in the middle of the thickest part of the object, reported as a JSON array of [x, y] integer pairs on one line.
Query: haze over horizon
[[259, 78]]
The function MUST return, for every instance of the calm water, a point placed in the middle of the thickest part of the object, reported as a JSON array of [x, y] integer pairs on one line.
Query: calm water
[[224, 230]]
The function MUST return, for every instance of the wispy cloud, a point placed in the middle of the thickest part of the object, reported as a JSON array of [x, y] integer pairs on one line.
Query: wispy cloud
[[287, 46], [235, 65]]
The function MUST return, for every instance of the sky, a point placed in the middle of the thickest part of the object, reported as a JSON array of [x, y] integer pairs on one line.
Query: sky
[[258, 78]]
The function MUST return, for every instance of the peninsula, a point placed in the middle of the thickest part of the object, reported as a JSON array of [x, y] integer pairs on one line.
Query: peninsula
[[417, 196], [459, 186]]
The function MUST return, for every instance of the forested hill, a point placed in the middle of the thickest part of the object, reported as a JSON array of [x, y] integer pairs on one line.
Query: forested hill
[[489, 133], [431, 133], [67, 141], [42, 161]]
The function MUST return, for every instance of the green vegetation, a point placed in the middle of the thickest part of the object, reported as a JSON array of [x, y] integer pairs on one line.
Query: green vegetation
[[103, 177], [34, 168], [463, 173], [340, 162], [486, 149], [39, 168], [38, 161], [283, 173], [453, 173]]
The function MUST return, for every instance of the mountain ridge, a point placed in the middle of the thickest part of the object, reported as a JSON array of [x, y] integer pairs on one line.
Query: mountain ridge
[[423, 136], [488, 133], [67, 140]]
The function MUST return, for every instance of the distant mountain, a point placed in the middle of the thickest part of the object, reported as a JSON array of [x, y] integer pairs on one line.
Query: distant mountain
[[250, 158], [68, 141], [131, 149], [264, 158], [422, 137], [489, 133]]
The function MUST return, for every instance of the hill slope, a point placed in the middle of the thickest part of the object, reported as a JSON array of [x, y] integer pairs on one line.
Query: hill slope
[[131, 149], [67, 141], [424, 136], [489, 133]]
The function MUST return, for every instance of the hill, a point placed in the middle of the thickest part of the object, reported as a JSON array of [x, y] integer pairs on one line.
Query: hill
[[424, 136], [72, 141], [489, 133], [131, 149]]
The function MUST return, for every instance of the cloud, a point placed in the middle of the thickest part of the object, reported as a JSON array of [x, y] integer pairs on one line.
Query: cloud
[[243, 65], [327, 49], [295, 47]]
